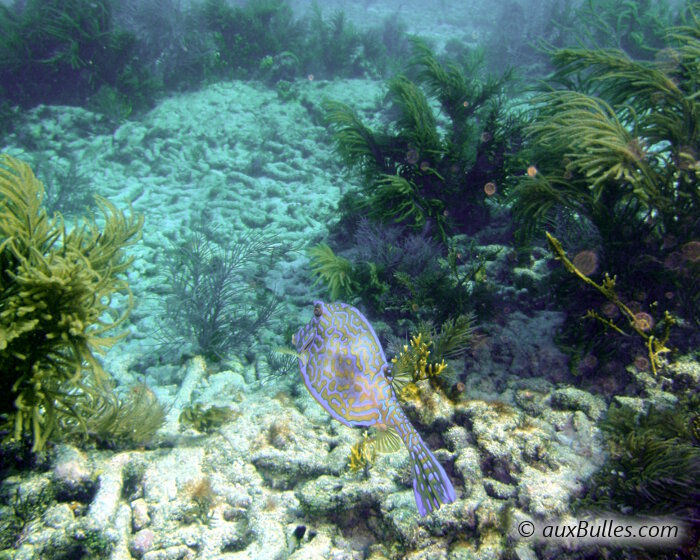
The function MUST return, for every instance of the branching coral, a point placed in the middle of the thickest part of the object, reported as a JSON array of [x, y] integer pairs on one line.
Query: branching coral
[[362, 455], [641, 323], [56, 289], [414, 362]]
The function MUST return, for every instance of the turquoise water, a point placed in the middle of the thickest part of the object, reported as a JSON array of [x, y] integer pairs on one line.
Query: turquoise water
[[408, 159]]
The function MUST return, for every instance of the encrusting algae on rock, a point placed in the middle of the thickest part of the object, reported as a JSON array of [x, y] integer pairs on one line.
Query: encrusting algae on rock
[[344, 368]]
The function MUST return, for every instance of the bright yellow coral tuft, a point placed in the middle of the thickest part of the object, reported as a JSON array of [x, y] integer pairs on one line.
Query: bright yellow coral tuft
[[414, 361], [362, 454]]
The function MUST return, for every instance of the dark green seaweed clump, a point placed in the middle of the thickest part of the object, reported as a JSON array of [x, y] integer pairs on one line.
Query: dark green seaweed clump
[[422, 186], [206, 419], [415, 174], [65, 51], [638, 28], [116, 57], [654, 464]]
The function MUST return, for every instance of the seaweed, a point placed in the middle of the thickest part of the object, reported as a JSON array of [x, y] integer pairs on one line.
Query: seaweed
[[636, 27], [402, 274], [59, 50], [245, 35], [216, 299], [206, 419], [56, 292], [429, 174], [654, 462], [454, 337], [413, 172], [114, 57], [335, 271], [619, 148], [336, 44], [67, 190], [614, 143], [123, 422], [461, 92], [357, 144]]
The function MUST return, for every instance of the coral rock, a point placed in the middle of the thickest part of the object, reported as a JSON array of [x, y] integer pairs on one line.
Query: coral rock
[[142, 542], [139, 514]]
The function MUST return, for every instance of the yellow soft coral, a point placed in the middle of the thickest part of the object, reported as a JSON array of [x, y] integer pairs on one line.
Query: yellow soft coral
[[362, 454], [415, 360], [56, 290], [412, 364]]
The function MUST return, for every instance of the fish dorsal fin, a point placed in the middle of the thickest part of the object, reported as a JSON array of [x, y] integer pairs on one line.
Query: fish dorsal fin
[[387, 440]]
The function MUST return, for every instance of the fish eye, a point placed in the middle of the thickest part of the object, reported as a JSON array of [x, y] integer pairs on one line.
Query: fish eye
[[317, 310]]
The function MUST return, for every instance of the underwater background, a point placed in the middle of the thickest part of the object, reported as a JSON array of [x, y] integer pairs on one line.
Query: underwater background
[[506, 192]]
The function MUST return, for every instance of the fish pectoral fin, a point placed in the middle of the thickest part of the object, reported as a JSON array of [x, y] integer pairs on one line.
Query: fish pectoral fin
[[387, 440], [288, 351]]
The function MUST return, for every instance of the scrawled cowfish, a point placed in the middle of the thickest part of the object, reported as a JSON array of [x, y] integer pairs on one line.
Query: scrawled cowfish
[[344, 367]]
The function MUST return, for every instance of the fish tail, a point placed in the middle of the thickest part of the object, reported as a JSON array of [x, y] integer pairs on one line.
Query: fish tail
[[431, 485]]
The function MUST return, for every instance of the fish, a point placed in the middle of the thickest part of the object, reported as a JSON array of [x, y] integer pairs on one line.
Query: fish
[[343, 366]]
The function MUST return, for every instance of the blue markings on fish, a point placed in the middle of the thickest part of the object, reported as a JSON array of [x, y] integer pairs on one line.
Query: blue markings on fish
[[344, 368]]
